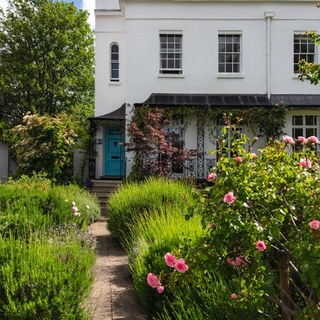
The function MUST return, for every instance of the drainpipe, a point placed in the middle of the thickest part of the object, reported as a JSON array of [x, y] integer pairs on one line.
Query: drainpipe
[[268, 15]]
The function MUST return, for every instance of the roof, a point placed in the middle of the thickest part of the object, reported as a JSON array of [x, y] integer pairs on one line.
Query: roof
[[230, 100], [119, 114]]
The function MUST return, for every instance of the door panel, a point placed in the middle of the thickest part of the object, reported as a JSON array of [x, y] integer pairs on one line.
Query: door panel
[[114, 152]]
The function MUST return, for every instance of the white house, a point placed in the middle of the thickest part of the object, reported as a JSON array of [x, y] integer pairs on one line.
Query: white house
[[222, 54]]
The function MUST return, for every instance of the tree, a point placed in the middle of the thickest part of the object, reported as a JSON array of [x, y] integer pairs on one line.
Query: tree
[[45, 144], [46, 60]]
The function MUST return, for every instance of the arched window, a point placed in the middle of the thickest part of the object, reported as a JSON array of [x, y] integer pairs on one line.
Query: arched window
[[114, 62]]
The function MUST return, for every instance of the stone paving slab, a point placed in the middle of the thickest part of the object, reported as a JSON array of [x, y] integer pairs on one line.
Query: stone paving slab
[[112, 296]]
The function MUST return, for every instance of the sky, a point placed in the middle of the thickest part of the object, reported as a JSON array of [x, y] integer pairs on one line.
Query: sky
[[81, 4]]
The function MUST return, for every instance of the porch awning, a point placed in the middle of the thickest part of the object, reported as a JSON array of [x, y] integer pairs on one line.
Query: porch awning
[[230, 100], [119, 114]]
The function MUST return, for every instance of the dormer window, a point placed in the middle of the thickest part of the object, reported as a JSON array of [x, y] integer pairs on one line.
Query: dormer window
[[114, 63]]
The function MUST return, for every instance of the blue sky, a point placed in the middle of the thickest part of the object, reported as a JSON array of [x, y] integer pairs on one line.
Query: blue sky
[[77, 3]]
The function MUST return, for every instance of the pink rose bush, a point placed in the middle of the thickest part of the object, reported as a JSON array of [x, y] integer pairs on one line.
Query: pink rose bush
[[153, 280], [305, 163], [261, 246], [314, 224], [238, 160], [313, 139], [288, 140], [302, 139], [233, 296], [170, 260], [181, 266], [229, 198], [211, 176]]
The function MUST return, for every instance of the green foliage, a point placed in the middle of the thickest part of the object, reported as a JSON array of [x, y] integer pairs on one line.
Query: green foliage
[[45, 144], [32, 204], [133, 199], [152, 236], [45, 277], [46, 60], [276, 199], [310, 71]]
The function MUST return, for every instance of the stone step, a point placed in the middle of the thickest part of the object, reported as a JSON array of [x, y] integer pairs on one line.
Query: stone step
[[103, 189]]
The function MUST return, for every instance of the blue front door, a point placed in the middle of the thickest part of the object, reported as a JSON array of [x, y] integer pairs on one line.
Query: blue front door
[[114, 152]]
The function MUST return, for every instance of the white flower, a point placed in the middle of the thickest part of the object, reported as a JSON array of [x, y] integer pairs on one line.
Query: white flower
[[87, 207]]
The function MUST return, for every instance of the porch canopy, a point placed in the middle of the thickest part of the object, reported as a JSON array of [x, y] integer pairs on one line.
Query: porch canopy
[[119, 114], [231, 100]]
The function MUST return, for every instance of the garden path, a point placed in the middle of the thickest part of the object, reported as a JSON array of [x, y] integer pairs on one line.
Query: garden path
[[112, 296]]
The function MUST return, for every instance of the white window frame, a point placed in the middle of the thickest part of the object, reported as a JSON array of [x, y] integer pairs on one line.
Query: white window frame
[[304, 126], [112, 79], [231, 74], [170, 72], [316, 51]]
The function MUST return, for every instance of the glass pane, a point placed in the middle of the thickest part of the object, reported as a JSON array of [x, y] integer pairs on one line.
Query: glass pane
[[228, 38], [310, 58], [236, 67], [164, 64], [236, 58], [311, 132], [229, 67], [296, 68], [297, 120], [171, 64], [222, 39], [115, 65], [222, 58], [296, 58], [222, 67], [114, 48], [229, 47], [236, 38], [304, 48], [311, 120], [222, 47], [115, 74], [297, 132], [114, 56], [296, 48]]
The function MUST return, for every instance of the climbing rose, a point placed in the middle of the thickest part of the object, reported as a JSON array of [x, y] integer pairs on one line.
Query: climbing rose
[[240, 262], [170, 260], [302, 139], [231, 262], [233, 296], [160, 289], [261, 246], [313, 139], [238, 160], [211, 176], [306, 163], [288, 139], [229, 198], [153, 280], [181, 266], [314, 224]]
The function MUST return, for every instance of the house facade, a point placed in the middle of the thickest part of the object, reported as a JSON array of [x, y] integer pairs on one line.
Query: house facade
[[227, 55]]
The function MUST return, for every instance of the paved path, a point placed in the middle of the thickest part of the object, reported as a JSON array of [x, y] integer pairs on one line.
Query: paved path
[[112, 296]]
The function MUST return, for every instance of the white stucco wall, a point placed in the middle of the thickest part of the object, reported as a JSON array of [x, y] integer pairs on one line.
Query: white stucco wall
[[136, 29]]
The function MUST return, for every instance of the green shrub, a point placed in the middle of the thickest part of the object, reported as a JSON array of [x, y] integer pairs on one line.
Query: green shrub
[[153, 235], [133, 199], [29, 204], [45, 277]]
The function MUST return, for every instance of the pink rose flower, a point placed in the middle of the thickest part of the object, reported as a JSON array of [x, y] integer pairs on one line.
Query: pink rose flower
[[261, 246], [313, 139], [240, 262], [153, 280], [306, 163], [233, 296], [181, 266], [229, 198], [288, 139], [170, 260], [253, 155], [302, 139], [314, 224], [238, 160], [74, 209], [211, 176], [160, 289], [231, 262]]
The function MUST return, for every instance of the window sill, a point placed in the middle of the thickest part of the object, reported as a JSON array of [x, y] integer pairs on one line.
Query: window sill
[[230, 76], [295, 76], [163, 75], [114, 83]]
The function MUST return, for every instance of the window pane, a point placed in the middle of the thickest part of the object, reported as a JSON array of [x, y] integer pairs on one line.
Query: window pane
[[222, 47], [114, 48], [115, 74], [297, 120], [311, 132], [297, 132], [229, 47], [222, 58], [228, 67], [222, 67], [311, 120]]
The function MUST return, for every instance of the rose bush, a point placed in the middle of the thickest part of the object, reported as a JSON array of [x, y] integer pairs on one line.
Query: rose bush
[[265, 210]]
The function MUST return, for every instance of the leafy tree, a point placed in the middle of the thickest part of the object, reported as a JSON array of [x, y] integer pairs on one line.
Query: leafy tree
[[45, 144], [46, 60]]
